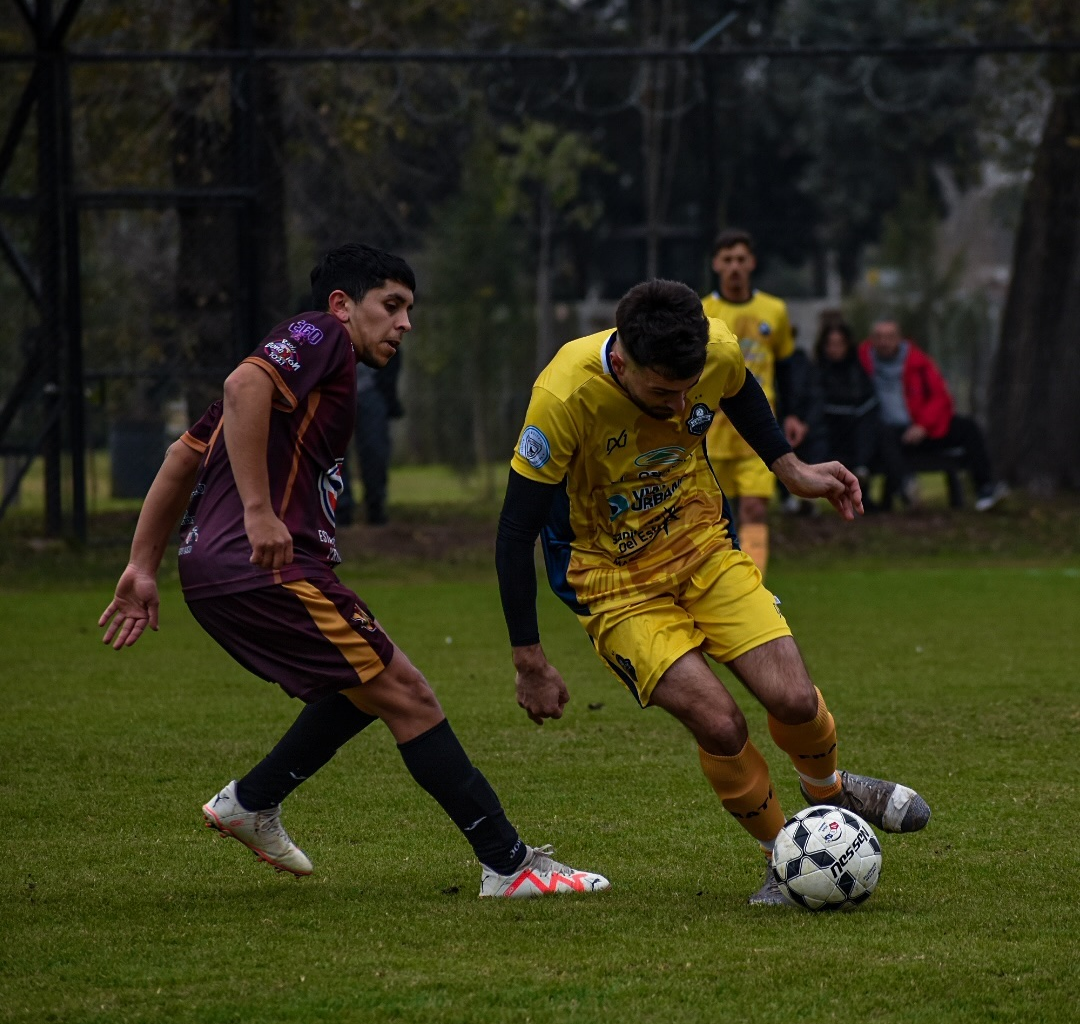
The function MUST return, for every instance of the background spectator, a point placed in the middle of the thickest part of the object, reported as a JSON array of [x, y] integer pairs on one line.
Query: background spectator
[[917, 409]]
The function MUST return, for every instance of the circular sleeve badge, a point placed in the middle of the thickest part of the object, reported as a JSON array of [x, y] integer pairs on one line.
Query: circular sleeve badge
[[533, 447]]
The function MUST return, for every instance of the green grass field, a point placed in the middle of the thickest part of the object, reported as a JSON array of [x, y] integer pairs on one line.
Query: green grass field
[[116, 905]]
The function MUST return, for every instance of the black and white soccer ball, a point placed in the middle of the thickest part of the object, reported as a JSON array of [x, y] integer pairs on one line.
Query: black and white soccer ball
[[826, 858]]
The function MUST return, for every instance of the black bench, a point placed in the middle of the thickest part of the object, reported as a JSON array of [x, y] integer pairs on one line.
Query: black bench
[[949, 461]]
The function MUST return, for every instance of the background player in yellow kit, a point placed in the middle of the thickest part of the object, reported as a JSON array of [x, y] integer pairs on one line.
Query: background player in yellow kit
[[760, 324], [611, 469]]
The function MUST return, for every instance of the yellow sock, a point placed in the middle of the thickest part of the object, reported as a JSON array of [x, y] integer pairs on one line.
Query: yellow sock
[[812, 749], [742, 782], [754, 540]]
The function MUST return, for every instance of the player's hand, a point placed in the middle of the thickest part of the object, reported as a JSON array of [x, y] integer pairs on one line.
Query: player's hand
[[795, 430], [271, 542], [914, 434], [822, 480], [134, 607], [541, 691]]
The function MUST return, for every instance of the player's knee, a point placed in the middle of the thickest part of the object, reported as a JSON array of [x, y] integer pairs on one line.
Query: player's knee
[[721, 734], [795, 704]]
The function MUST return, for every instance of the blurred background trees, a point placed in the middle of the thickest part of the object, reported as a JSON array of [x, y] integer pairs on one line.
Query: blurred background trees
[[531, 193]]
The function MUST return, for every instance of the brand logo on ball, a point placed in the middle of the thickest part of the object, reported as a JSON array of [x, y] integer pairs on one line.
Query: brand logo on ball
[[830, 831], [533, 447]]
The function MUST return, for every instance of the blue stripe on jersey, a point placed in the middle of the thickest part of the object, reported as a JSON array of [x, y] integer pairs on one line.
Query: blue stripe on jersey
[[732, 532], [556, 539]]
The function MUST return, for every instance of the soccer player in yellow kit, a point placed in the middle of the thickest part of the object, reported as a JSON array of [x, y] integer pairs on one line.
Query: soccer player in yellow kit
[[760, 324], [612, 469]]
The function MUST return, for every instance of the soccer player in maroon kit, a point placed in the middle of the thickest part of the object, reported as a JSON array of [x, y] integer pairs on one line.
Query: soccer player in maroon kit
[[262, 470]]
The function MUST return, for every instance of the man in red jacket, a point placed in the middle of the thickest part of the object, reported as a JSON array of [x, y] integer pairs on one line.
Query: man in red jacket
[[917, 409]]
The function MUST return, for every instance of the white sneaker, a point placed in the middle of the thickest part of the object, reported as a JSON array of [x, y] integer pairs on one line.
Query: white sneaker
[[539, 875], [260, 831], [990, 496]]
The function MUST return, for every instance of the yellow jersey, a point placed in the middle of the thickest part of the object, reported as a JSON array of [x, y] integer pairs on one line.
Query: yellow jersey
[[764, 334], [641, 507]]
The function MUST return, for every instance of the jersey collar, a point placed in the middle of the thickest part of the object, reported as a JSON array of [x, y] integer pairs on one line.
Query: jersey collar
[[605, 353]]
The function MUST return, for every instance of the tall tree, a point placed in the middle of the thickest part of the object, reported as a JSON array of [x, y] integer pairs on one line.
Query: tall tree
[[1035, 417]]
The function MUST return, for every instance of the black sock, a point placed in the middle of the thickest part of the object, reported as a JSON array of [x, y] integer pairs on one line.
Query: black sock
[[440, 765], [319, 730]]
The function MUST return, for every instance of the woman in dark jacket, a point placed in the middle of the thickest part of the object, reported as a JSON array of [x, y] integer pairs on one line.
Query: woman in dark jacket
[[851, 409]]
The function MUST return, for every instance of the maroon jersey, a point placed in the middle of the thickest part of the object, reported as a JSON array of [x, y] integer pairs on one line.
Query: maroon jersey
[[313, 365]]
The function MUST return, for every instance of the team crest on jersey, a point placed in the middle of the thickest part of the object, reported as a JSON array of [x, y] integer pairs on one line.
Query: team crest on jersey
[[617, 505], [764, 329], [330, 487], [701, 416], [668, 456], [283, 352], [533, 447]]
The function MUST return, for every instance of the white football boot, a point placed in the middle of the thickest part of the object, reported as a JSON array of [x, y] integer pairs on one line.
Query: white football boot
[[260, 831], [539, 875]]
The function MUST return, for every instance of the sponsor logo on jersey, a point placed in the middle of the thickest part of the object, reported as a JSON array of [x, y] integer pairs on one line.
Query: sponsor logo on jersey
[[533, 447], [283, 352], [362, 619], [700, 418], [653, 495], [191, 538], [661, 456], [330, 487], [617, 505], [301, 330]]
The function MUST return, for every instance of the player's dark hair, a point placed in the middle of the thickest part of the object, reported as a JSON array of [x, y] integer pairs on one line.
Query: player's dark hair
[[662, 327], [356, 268], [731, 237]]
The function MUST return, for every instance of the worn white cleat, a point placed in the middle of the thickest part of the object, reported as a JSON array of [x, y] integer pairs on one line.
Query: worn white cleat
[[540, 875], [260, 831]]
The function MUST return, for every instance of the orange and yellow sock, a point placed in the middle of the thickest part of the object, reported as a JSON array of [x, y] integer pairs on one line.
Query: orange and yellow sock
[[812, 749], [742, 782], [754, 540]]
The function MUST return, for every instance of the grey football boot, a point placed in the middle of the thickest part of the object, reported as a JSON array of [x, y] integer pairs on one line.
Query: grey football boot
[[885, 805]]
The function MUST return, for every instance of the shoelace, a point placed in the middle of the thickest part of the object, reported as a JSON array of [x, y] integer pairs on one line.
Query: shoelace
[[270, 822], [545, 859]]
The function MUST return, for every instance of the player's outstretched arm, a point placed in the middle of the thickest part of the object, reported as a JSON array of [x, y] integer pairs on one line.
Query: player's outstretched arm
[[135, 604], [821, 480], [540, 687]]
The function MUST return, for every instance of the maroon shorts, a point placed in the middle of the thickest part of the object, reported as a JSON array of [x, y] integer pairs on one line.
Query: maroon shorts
[[311, 637]]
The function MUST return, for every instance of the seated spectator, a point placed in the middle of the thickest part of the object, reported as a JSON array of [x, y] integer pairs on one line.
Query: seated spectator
[[851, 410], [799, 409], [917, 409]]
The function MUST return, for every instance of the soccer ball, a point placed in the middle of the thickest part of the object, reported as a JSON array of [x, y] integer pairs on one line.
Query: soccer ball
[[826, 858]]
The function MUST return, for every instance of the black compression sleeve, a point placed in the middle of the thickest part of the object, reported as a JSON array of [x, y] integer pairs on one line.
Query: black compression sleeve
[[525, 511], [750, 414]]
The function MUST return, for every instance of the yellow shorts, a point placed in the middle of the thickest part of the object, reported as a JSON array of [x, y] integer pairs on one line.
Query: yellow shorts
[[723, 608], [740, 478]]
